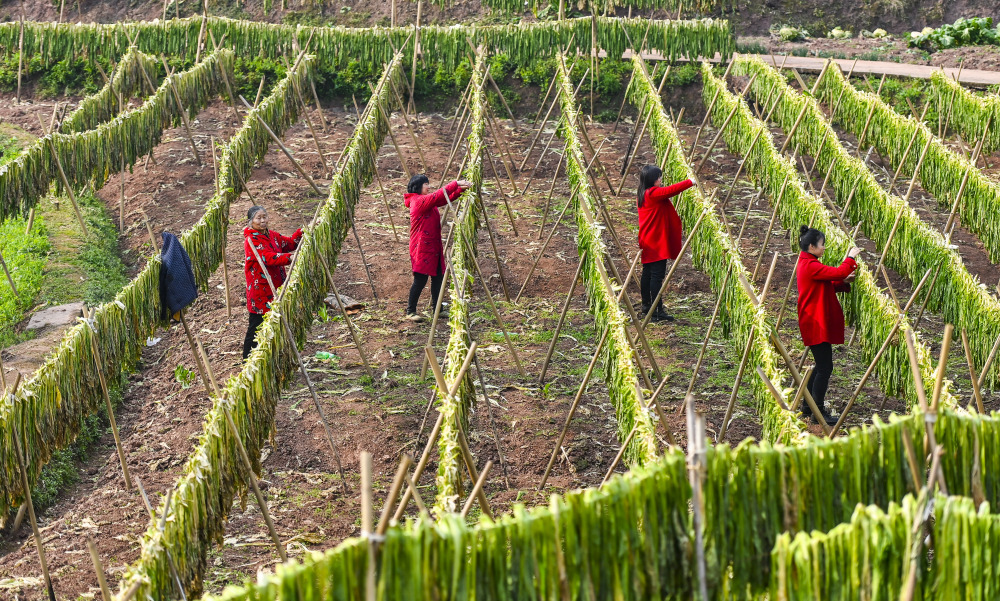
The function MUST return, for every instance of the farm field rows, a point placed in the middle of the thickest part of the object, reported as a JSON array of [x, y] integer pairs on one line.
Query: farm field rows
[[541, 205]]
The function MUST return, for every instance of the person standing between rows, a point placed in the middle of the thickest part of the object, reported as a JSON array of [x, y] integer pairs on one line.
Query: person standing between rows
[[275, 251], [426, 248], [659, 235], [821, 318]]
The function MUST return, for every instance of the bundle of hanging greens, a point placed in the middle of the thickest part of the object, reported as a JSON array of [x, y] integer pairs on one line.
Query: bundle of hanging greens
[[90, 157], [620, 373], [966, 548], [916, 247], [213, 475], [943, 170], [968, 112], [714, 253], [48, 408], [455, 409], [867, 307], [127, 81], [524, 43], [866, 558]]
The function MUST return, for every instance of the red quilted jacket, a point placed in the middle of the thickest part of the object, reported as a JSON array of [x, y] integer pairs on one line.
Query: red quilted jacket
[[659, 224], [821, 318], [426, 249], [275, 250]]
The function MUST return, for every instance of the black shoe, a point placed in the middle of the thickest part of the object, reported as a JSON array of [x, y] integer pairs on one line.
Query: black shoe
[[643, 310], [661, 315]]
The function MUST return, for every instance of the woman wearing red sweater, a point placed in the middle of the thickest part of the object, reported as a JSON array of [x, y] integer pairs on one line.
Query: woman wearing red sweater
[[821, 319], [659, 234]]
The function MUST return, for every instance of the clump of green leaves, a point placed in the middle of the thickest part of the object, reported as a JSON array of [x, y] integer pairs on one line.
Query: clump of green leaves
[[184, 375], [963, 32]]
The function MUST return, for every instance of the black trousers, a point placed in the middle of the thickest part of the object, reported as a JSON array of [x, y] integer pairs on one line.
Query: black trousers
[[419, 281], [249, 342], [820, 379], [652, 278]]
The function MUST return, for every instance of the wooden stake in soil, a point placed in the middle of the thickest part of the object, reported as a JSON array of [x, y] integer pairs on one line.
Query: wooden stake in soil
[[722, 129], [26, 488], [489, 413], [347, 318], [419, 470], [65, 180], [902, 207], [708, 335], [394, 488], [182, 110], [736, 386], [977, 395], [285, 150], [559, 324], [98, 569], [696, 471], [572, 408], [20, 56], [477, 489], [152, 516], [548, 198], [499, 319], [10, 280], [89, 316], [708, 113]]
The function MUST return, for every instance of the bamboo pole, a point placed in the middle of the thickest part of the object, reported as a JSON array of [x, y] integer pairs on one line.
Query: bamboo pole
[[673, 267], [989, 362], [10, 280], [797, 378], [958, 199], [107, 398], [499, 319], [976, 393], [406, 120], [31, 516], [285, 150], [65, 181], [772, 389], [708, 113], [260, 91], [770, 229], [98, 569], [548, 199], [902, 207], [20, 55], [312, 130], [305, 373], [489, 413], [347, 318], [708, 334], [906, 153], [562, 319], [723, 128], [419, 470], [739, 171], [572, 409], [152, 517], [942, 366], [736, 386], [621, 453], [696, 470], [319, 107], [368, 522], [630, 157], [545, 245], [31, 221], [182, 110], [416, 48], [397, 484], [795, 126], [927, 298], [477, 489]]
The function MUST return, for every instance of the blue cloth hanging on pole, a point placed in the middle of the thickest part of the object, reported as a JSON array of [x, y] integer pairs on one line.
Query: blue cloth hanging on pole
[[178, 288]]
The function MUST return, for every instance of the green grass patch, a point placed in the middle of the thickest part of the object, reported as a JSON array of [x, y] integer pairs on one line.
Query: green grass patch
[[25, 255]]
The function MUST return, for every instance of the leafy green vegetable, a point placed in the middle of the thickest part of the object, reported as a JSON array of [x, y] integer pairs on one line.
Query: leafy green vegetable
[[964, 32]]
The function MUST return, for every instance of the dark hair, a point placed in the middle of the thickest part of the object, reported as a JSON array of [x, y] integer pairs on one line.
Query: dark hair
[[416, 184], [809, 236], [647, 179], [253, 211]]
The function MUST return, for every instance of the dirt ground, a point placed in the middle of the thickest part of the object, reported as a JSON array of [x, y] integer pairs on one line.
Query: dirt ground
[[160, 419]]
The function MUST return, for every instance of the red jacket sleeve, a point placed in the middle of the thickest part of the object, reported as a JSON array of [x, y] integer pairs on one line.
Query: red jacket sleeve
[[669, 191], [453, 190], [289, 243], [268, 256], [825, 273]]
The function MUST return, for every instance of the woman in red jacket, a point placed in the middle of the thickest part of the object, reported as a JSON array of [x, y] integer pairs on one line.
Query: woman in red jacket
[[821, 319], [659, 235], [275, 251], [426, 249]]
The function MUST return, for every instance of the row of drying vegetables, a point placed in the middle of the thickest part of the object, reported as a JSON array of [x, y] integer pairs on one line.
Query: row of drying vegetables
[[620, 373], [89, 157], [455, 410], [970, 114], [48, 408], [633, 538], [213, 475], [916, 247], [524, 43]]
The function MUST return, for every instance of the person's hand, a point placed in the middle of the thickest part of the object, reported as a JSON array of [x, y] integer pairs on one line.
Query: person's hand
[[850, 277], [464, 183], [854, 252]]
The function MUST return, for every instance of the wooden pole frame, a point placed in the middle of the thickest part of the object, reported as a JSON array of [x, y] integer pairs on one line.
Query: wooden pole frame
[[31, 515], [562, 319], [347, 318], [673, 267]]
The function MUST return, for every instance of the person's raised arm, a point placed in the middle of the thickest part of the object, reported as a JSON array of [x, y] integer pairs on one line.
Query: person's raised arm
[[268, 256], [825, 273], [665, 192]]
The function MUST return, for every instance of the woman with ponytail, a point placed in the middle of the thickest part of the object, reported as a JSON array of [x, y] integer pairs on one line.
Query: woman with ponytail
[[821, 318], [659, 235]]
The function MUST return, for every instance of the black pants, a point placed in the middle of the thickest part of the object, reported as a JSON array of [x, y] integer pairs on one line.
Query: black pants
[[249, 342], [652, 278], [820, 379], [419, 281]]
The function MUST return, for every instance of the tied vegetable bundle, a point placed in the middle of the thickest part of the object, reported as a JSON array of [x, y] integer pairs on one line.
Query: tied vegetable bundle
[[90, 157], [969, 112], [455, 410], [126, 82], [714, 253], [917, 247], [942, 171], [620, 372], [49, 406], [866, 305], [446, 45], [213, 475]]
